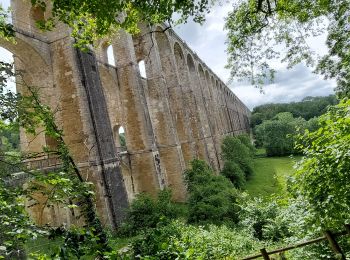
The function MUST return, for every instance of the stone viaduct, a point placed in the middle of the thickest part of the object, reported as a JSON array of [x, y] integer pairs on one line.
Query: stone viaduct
[[178, 111]]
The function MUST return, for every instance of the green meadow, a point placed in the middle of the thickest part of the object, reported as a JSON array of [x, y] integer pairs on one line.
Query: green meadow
[[270, 176]]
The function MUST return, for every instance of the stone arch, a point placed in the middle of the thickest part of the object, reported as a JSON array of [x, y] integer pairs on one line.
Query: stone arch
[[166, 57], [180, 62], [120, 139], [204, 83], [105, 53], [112, 93], [209, 83], [190, 63], [170, 73], [34, 71], [162, 40], [26, 53]]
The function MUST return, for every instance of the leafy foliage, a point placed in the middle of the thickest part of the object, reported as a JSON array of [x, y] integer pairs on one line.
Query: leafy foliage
[[6, 29], [9, 137], [146, 212], [322, 176], [122, 140], [234, 173], [307, 109], [15, 225], [91, 20], [279, 222], [264, 219], [237, 151], [277, 135], [211, 198], [180, 241], [256, 27]]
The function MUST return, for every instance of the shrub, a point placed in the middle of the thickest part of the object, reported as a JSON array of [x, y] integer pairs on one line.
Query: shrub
[[146, 212], [180, 241], [234, 173], [245, 139], [265, 219], [212, 198], [234, 150]]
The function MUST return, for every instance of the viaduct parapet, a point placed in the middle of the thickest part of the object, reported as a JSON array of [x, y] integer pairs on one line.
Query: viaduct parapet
[[177, 111]]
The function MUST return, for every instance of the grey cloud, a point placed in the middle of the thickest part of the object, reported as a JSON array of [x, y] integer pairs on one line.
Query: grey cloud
[[290, 85]]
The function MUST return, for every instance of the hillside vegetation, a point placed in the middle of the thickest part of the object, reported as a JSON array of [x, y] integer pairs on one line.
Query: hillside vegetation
[[276, 125], [308, 108]]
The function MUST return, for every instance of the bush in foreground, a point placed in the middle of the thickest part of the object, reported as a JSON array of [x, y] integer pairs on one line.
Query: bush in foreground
[[237, 153], [234, 173], [146, 212], [211, 198], [181, 241]]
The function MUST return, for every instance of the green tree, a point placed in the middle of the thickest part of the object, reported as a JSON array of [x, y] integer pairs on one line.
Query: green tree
[[322, 176], [211, 198], [240, 151], [9, 136], [122, 140], [308, 108], [92, 19], [234, 173], [256, 27], [277, 135], [146, 212]]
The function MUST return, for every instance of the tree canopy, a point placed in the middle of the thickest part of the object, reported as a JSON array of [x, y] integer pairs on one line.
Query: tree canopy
[[262, 31], [322, 176], [308, 108], [91, 20]]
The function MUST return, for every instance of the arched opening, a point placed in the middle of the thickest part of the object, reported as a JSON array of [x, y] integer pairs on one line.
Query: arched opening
[[180, 62], [166, 57], [7, 56], [110, 55], [119, 138], [121, 134], [142, 69], [9, 135], [190, 63], [203, 82]]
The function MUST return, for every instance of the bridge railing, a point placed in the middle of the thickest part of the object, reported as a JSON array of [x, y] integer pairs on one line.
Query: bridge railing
[[328, 235], [42, 163], [46, 164]]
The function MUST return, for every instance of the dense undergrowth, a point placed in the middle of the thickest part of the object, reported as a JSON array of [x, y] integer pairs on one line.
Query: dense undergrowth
[[220, 220]]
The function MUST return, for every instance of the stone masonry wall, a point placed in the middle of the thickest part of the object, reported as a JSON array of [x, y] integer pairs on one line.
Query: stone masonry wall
[[181, 110]]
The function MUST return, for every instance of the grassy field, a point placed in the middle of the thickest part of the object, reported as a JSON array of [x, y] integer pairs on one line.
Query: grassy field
[[270, 175]]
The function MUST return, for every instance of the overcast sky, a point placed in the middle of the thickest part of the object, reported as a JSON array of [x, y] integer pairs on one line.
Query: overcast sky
[[208, 41]]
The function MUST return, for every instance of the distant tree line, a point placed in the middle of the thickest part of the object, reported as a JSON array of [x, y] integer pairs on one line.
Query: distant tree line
[[9, 136], [275, 125], [308, 108]]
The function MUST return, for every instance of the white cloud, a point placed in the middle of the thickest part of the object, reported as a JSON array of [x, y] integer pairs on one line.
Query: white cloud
[[290, 85], [5, 3], [208, 41]]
